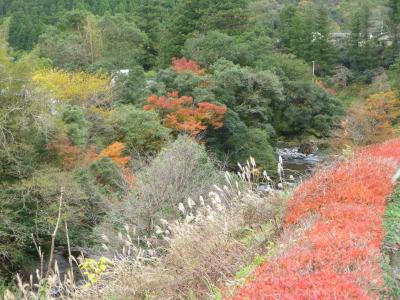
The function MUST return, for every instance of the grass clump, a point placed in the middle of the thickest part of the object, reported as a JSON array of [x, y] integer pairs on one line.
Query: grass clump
[[203, 249]]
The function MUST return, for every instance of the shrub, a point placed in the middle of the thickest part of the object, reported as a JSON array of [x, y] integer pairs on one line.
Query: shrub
[[178, 172], [30, 207], [338, 254], [108, 175], [208, 48], [131, 88], [76, 125], [307, 108], [257, 145], [184, 65], [140, 130], [373, 121]]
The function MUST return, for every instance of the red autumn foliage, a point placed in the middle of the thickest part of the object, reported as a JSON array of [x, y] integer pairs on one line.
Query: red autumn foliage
[[72, 156], [182, 115], [338, 256], [362, 180], [184, 65], [389, 149]]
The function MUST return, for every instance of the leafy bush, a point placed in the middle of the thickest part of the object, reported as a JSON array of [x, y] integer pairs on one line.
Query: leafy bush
[[210, 47], [307, 109], [76, 124], [140, 130], [30, 207], [108, 175], [257, 145], [131, 88], [287, 66]]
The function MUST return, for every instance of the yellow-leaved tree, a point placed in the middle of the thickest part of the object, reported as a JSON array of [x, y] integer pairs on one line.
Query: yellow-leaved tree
[[77, 87]]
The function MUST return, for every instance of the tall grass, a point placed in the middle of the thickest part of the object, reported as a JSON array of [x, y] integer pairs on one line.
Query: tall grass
[[192, 256]]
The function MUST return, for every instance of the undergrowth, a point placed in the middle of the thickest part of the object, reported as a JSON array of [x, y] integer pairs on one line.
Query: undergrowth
[[333, 232], [215, 240], [391, 246]]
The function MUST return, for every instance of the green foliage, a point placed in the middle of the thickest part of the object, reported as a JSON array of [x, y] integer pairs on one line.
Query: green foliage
[[140, 130], [394, 73], [287, 67], [66, 50], [189, 16], [362, 52], [305, 32], [257, 145], [246, 49], [108, 176], [258, 260], [76, 125], [207, 48], [391, 222], [307, 109], [132, 88], [30, 206], [31, 17], [83, 41], [123, 44]]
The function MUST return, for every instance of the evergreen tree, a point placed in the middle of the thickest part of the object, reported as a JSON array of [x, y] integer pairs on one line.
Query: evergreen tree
[[362, 52], [323, 52], [148, 15], [394, 26], [305, 32], [189, 16]]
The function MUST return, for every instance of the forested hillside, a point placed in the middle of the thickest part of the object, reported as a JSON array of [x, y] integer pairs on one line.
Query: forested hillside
[[114, 113]]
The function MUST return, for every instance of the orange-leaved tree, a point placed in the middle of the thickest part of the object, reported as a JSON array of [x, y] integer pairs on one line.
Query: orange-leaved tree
[[183, 115], [373, 121], [184, 65], [114, 151], [385, 107]]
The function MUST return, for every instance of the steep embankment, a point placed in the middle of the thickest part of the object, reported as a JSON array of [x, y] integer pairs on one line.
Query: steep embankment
[[331, 247]]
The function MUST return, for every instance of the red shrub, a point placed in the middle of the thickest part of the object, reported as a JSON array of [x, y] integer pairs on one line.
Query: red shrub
[[184, 65], [363, 180], [338, 257], [389, 149]]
